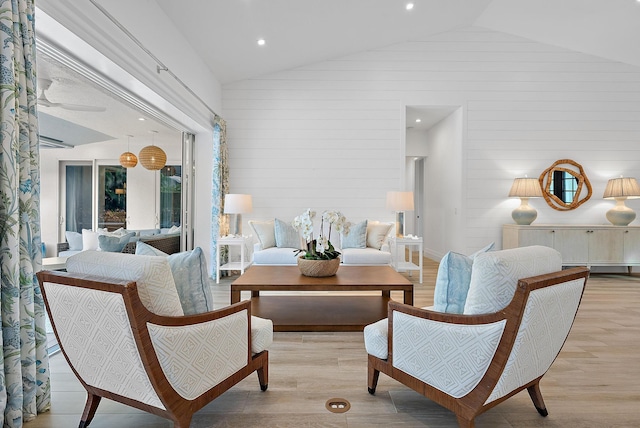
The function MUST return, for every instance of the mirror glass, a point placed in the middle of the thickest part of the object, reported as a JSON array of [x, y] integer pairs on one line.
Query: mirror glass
[[565, 185]]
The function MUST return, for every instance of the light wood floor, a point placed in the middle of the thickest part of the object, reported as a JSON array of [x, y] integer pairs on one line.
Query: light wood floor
[[594, 383]]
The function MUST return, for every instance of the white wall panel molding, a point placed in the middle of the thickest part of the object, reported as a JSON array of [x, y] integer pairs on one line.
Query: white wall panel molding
[[524, 105]]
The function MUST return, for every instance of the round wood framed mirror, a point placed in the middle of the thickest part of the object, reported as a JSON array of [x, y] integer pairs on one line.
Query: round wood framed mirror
[[565, 185]]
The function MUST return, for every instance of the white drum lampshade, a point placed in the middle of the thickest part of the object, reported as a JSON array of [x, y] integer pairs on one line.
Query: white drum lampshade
[[237, 204], [400, 202]]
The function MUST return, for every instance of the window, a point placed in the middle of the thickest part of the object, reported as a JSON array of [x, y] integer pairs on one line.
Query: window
[[112, 206], [170, 195], [79, 197]]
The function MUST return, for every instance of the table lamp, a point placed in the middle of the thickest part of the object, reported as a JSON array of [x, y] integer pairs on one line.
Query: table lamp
[[237, 204], [525, 188], [621, 189], [400, 202]]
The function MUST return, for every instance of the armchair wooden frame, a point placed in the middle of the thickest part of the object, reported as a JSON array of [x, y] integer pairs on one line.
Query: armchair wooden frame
[[177, 408], [466, 408]]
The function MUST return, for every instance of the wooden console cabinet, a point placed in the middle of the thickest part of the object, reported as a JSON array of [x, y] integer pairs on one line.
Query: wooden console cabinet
[[590, 245]]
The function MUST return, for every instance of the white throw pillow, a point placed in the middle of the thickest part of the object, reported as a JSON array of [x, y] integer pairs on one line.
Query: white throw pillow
[[152, 275], [377, 233], [495, 275], [89, 240], [265, 232]]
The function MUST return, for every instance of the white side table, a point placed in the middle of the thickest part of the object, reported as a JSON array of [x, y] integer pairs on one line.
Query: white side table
[[54, 263], [240, 241], [399, 262]]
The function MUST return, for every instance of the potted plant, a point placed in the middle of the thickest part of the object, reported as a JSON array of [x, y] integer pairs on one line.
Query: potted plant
[[320, 258]]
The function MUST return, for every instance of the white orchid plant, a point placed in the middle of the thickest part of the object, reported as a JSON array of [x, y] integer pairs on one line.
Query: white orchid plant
[[320, 248]]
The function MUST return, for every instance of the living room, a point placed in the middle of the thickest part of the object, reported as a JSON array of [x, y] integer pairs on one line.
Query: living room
[[517, 104], [299, 124]]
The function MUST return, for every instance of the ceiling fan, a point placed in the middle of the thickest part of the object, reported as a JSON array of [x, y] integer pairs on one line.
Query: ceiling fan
[[45, 84]]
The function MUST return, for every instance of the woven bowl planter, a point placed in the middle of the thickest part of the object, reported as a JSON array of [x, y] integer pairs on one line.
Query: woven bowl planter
[[318, 268]]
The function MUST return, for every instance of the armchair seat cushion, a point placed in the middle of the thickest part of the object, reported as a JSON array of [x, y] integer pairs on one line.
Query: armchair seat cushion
[[261, 334], [376, 339]]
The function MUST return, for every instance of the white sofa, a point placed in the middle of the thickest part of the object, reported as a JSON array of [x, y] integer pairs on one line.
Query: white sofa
[[375, 252]]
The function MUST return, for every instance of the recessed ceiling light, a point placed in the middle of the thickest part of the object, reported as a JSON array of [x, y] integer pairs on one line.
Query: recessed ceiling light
[[409, 6], [418, 120], [261, 42], [141, 118]]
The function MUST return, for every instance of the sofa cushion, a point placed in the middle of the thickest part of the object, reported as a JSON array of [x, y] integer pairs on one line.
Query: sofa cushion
[[190, 275], [495, 275], [356, 237], [74, 239], [265, 232], [152, 275], [146, 232], [286, 236], [377, 233], [365, 256], [114, 243], [452, 281], [276, 256]]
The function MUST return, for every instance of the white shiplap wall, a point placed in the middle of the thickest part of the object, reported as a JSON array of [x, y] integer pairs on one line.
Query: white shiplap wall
[[331, 134]]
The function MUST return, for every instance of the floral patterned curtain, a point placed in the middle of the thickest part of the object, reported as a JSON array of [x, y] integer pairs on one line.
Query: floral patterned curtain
[[24, 374], [220, 187]]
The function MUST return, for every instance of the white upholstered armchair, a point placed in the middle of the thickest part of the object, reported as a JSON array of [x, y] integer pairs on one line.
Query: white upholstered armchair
[[119, 322], [505, 340]]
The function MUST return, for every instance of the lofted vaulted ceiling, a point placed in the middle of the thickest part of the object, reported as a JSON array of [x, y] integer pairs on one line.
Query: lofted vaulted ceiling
[[300, 32]]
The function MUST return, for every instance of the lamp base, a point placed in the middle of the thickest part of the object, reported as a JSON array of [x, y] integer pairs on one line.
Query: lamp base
[[400, 224], [524, 215], [235, 225], [621, 215]]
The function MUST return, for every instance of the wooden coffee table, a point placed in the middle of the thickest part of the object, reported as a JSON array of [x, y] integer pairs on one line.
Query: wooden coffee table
[[319, 312]]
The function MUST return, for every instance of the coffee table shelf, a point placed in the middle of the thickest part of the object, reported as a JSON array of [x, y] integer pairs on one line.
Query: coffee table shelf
[[320, 313], [313, 312]]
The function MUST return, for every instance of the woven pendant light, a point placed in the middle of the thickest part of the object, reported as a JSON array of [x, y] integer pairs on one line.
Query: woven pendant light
[[128, 159], [152, 157]]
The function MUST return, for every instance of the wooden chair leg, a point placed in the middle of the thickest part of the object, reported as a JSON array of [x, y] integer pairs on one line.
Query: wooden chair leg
[[263, 377], [373, 376], [182, 421], [465, 423], [89, 409], [536, 397]]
